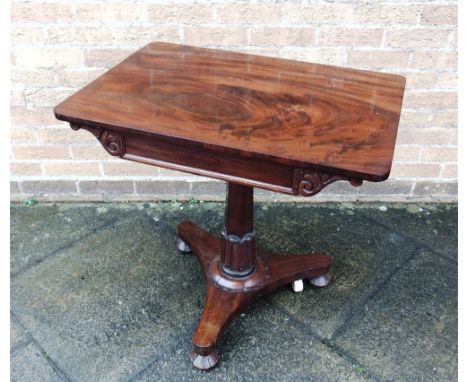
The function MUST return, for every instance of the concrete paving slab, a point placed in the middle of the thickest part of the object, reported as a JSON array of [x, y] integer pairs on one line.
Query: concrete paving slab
[[106, 306], [363, 256], [29, 364], [39, 230], [408, 331], [18, 336], [119, 303], [262, 345], [435, 225], [208, 215]]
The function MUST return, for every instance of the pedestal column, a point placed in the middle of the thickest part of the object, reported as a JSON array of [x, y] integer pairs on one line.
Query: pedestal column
[[238, 237]]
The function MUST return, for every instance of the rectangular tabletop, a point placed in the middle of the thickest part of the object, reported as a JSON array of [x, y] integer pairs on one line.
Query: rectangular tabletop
[[294, 114]]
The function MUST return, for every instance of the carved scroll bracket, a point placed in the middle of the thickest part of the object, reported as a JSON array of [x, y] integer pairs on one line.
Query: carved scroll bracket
[[112, 141], [309, 182]]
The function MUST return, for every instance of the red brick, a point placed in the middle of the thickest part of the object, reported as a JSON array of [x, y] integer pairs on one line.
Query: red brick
[[71, 168], [171, 188], [444, 118], [417, 38], [110, 13], [174, 13], [434, 60], [106, 187], [440, 154], [431, 100], [215, 36], [350, 37], [89, 152], [283, 36], [450, 171], [37, 187], [415, 170], [420, 136], [65, 135], [105, 58], [436, 188], [39, 152], [25, 169], [376, 59], [245, 13], [439, 15], [406, 153], [34, 117], [323, 13], [388, 14], [22, 135], [14, 189], [125, 168], [41, 12], [389, 187], [208, 188]]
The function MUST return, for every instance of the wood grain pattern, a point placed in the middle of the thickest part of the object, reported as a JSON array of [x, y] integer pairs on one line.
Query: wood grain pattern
[[330, 119]]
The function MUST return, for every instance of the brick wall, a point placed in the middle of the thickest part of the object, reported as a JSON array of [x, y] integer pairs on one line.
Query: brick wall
[[59, 46]]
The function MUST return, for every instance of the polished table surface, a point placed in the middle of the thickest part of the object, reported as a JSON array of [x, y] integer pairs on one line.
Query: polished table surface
[[303, 115], [285, 126]]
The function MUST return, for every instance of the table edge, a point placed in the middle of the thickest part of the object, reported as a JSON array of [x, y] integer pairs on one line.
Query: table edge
[[372, 177]]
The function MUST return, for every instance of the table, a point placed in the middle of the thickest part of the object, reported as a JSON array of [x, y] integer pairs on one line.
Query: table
[[252, 121]]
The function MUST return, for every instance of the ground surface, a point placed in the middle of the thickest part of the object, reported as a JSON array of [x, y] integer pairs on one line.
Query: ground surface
[[100, 293]]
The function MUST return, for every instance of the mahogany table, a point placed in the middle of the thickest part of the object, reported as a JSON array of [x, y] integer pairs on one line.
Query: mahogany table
[[281, 125]]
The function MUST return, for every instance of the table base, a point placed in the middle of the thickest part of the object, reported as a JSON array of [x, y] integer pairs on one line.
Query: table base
[[227, 296]]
